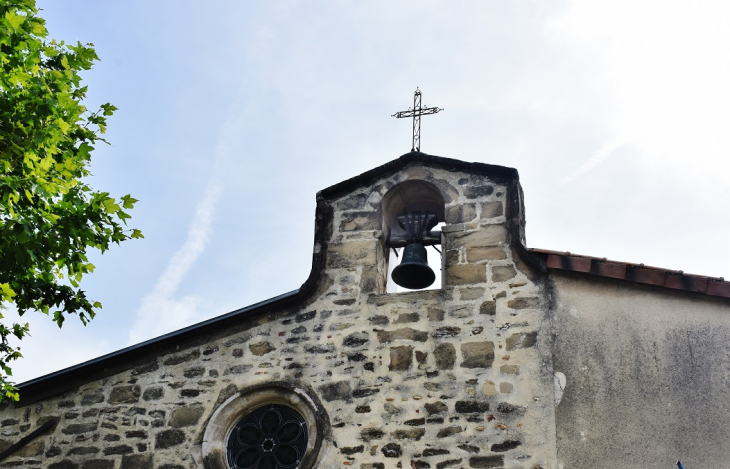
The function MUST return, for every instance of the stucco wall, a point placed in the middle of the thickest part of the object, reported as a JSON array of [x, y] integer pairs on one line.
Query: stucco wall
[[647, 375], [457, 377]]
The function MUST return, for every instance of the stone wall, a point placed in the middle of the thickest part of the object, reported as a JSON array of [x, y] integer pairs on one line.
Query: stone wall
[[455, 377]]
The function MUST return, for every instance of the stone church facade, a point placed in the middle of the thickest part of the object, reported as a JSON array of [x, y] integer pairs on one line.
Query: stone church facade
[[522, 359]]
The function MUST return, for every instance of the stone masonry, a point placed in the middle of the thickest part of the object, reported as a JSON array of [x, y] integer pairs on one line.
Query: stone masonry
[[455, 377]]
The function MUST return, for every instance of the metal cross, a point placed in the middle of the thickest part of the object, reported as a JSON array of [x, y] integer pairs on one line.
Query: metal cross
[[416, 112]]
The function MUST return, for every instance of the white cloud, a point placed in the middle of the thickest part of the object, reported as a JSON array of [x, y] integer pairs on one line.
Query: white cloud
[[161, 310], [603, 153]]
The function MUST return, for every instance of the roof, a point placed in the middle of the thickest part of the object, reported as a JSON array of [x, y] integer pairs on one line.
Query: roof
[[100, 367], [631, 272]]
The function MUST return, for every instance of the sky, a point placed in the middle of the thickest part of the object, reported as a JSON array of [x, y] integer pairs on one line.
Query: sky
[[232, 116]]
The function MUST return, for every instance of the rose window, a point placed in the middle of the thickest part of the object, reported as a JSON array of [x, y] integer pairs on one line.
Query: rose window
[[270, 437]]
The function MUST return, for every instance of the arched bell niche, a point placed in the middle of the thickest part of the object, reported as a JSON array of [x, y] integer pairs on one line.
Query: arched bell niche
[[410, 196]]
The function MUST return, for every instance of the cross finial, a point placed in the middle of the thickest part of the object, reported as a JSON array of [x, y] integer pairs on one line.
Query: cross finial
[[416, 112]]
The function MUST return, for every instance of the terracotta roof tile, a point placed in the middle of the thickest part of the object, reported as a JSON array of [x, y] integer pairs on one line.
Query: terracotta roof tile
[[639, 273]]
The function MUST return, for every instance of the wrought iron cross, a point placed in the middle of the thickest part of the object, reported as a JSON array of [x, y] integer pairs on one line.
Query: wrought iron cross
[[416, 112]]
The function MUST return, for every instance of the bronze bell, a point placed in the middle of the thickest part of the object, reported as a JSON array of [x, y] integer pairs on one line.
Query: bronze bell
[[414, 272]]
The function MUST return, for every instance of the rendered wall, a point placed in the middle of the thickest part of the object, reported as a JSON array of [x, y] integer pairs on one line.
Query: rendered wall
[[458, 377], [647, 375]]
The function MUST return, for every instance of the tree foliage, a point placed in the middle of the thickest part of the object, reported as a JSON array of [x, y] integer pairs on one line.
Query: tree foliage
[[49, 215]]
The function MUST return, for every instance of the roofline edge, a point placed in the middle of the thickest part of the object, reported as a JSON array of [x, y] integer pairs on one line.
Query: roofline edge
[[33, 390]]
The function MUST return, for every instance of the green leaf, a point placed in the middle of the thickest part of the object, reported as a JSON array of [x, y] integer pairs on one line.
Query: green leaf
[[39, 29], [7, 292], [11, 392], [111, 206], [14, 20], [58, 318], [128, 201], [108, 109], [63, 125]]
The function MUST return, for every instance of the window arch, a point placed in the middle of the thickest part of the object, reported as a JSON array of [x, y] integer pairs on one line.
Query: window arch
[[287, 424]]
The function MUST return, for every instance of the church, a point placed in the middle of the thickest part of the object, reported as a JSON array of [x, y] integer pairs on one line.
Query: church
[[510, 358]]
